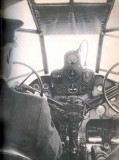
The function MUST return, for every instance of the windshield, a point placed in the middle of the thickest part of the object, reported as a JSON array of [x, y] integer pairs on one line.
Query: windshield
[[110, 50], [56, 45]]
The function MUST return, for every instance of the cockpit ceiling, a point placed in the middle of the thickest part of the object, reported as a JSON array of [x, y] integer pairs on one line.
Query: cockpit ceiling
[[73, 19], [66, 20]]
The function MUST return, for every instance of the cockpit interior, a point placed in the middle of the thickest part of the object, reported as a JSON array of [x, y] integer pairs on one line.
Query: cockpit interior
[[82, 88]]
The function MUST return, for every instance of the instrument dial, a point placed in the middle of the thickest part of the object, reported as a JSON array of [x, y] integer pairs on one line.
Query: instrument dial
[[45, 86], [87, 76], [36, 86], [101, 110], [99, 88], [72, 58], [73, 88]]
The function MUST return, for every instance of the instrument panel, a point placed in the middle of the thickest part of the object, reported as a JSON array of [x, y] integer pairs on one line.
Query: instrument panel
[[62, 87], [70, 81]]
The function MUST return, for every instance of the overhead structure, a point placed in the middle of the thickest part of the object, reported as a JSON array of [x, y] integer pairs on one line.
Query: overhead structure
[[67, 17]]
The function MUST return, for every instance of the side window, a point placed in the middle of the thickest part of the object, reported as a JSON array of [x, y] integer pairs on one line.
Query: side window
[[110, 51], [110, 54], [27, 51]]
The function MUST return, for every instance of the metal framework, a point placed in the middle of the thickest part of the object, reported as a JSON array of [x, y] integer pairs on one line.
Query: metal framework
[[107, 7], [36, 16], [101, 37]]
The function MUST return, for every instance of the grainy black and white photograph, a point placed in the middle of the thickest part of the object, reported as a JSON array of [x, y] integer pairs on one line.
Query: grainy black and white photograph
[[59, 80]]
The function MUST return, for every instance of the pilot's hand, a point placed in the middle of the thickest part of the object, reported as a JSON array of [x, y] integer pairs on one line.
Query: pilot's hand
[[114, 155]]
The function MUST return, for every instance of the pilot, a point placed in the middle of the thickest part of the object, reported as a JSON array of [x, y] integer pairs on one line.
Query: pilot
[[25, 120]]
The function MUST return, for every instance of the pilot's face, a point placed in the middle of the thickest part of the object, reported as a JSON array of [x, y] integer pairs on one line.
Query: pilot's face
[[8, 59]]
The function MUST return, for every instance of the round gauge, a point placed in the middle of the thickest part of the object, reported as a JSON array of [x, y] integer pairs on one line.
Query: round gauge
[[73, 88], [101, 110], [45, 86], [36, 86], [87, 76], [72, 58], [113, 99], [99, 88]]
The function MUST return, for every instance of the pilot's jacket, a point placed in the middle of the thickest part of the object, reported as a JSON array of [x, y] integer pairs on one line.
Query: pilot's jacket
[[26, 124]]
